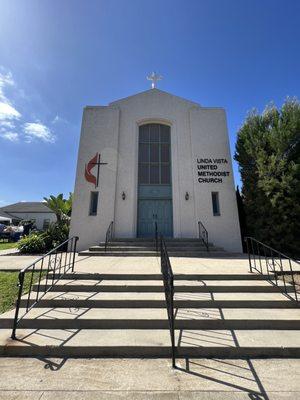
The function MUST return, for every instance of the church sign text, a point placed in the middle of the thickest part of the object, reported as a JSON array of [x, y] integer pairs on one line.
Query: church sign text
[[211, 170]]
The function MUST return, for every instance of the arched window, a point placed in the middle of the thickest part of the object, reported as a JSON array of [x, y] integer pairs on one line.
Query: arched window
[[154, 154]]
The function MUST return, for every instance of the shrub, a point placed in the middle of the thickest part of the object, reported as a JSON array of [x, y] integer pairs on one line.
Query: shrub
[[32, 244], [55, 235], [46, 241]]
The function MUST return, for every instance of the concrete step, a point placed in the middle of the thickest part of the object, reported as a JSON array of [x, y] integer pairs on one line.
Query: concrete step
[[153, 248], [76, 303], [159, 288], [156, 282], [183, 314], [194, 244], [177, 283], [145, 277], [150, 343], [199, 254], [154, 318], [153, 296], [44, 323], [167, 240]]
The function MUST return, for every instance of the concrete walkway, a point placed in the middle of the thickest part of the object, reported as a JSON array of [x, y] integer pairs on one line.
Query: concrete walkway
[[7, 252], [15, 262], [136, 379], [146, 265]]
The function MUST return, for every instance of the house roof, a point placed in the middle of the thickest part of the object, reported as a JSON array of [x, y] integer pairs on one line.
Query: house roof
[[26, 207], [4, 216]]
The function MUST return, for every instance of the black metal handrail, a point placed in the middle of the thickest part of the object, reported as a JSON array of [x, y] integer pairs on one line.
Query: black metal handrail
[[57, 262], [109, 234], [156, 236], [260, 255], [203, 234], [168, 279]]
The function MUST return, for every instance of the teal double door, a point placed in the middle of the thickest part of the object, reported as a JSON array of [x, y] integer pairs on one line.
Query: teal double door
[[153, 210], [154, 181]]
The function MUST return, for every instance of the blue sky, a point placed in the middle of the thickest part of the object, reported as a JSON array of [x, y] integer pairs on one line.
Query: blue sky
[[58, 56]]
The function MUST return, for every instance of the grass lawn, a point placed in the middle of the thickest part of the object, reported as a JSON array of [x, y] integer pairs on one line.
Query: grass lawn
[[9, 288], [6, 245]]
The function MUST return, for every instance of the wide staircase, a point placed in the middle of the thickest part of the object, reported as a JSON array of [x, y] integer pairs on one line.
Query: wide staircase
[[143, 247], [222, 315]]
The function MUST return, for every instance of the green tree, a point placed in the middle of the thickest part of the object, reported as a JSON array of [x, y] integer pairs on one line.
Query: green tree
[[268, 153], [61, 207]]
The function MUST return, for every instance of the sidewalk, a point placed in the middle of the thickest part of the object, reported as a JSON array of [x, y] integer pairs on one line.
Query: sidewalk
[[8, 251], [136, 379]]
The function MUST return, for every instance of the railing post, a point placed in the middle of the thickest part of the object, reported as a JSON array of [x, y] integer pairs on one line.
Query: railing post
[[168, 280], [156, 238], [109, 234], [253, 253], [203, 234], [173, 325], [248, 251], [293, 280], [20, 284], [207, 246], [74, 252]]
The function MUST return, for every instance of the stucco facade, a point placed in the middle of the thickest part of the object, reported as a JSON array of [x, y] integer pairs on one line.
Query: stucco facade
[[200, 165]]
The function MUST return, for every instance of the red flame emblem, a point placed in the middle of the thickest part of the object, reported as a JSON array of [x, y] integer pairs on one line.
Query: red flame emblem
[[88, 167]]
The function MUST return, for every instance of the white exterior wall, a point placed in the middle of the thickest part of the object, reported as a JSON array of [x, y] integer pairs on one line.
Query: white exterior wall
[[99, 133], [38, 217], [113, 132]]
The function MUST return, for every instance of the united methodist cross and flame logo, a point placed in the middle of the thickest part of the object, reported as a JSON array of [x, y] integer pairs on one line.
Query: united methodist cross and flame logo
[[89, 176]]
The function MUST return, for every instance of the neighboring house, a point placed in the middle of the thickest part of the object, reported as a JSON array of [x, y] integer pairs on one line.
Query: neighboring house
[[5, 218], [29, 210]]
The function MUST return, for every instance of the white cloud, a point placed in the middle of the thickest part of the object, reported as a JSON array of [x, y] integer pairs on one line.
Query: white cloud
[[7, 124], [8, 112], [37, 130], [6, 79], [13, 125], [12, 136]]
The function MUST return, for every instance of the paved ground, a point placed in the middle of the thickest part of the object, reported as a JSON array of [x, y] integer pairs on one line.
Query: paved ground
[[238, 264], [11, 260], [8, 252], [151, 265], [136, 264], [137, 379]]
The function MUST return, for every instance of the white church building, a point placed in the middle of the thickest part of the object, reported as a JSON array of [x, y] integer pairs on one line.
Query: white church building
[[155, 158]]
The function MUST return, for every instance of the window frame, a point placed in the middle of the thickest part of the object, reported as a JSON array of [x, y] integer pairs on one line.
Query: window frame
[[149, 162], [215, 201], [92, 194]]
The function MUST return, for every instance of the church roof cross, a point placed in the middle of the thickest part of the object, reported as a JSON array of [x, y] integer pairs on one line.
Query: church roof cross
[[154, 77]]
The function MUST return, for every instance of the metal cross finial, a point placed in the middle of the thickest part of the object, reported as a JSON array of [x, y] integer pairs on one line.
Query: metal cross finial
[[154, 77]]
